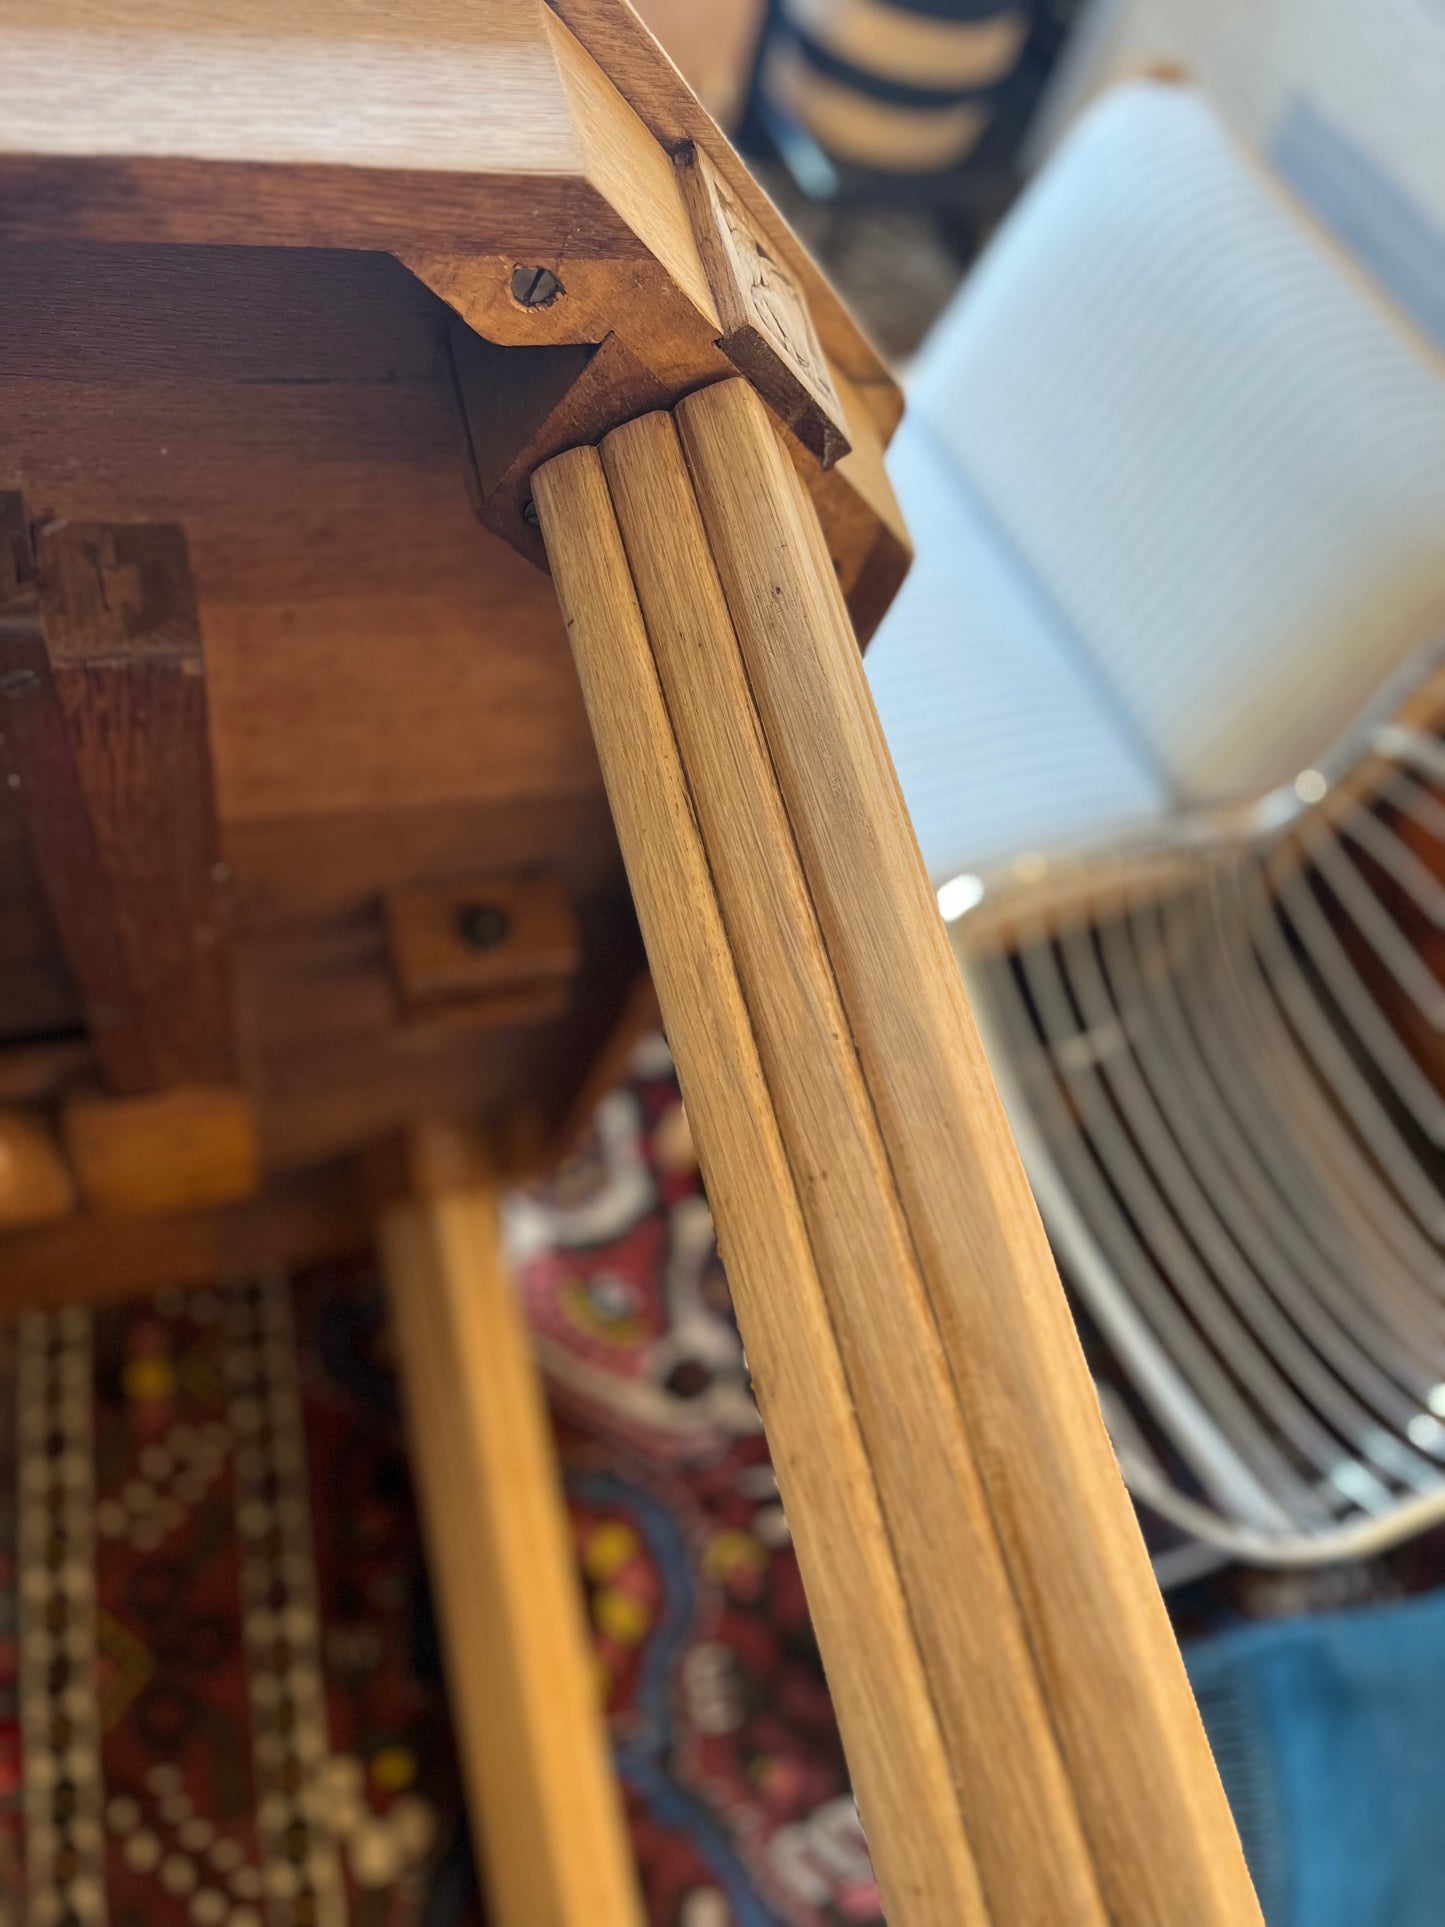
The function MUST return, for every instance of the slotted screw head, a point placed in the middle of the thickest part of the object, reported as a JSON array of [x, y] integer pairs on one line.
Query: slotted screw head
[[535, 287]]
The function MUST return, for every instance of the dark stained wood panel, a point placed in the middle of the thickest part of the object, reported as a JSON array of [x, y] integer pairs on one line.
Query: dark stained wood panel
[[391, 697], [103, 731], [36, 995], [79, 311], [40, 762]]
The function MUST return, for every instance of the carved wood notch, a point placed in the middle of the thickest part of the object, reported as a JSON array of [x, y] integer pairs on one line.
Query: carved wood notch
[[768, 332]]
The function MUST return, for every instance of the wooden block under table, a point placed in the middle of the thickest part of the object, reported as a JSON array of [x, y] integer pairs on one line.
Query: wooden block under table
[[172, 1151], [35, 1185], [481, 939]]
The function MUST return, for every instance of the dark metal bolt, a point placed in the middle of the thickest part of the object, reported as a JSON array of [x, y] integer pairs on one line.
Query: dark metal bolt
[[482, 925], [530, 515], [535, 287], [18, 682]]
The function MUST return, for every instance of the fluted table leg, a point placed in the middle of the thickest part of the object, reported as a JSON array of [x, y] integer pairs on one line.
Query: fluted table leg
[[1018, 1723]]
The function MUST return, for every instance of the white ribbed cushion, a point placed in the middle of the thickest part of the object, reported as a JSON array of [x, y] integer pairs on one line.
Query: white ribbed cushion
[[1002, 743], [1213, 446]]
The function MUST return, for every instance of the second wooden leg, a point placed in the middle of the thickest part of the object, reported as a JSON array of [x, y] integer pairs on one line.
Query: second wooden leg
[[543, 1798]]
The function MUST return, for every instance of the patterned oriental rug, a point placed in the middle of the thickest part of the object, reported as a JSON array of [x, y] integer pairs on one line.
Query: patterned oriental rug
[[221, 1699]]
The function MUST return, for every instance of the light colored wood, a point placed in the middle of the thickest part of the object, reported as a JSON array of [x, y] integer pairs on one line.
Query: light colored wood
[[541, 1791], [623, 47], [437, 87], [165, 1151], [35, 1182], [121, 766], [767, 327], [901, 1773], [1017, 1804], [862, 522], [519, 135], [631, 170], [659, 303], [1152, 1807], [229, 125]]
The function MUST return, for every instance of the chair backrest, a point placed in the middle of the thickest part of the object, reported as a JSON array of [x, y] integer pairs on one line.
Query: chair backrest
[[1212, 442]]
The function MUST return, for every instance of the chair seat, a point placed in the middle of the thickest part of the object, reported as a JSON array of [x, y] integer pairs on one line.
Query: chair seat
[[1004, 738]]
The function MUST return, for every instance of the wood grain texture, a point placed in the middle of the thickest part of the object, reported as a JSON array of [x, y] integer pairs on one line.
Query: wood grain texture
[[521, 135], [632, 170], [103, 731], [712, 48], [521, 406], [1017, 1805], [168, 1151], [859, 513], [35, 1181], [543, 1800], [439, 87], [901, 1772], [439, 127], [1153, 1811], [767, 328], [628, 53], [124, 646], [652, 291]]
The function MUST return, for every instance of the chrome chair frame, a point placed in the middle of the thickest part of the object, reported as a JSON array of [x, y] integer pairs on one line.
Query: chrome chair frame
[[1204, 1041]]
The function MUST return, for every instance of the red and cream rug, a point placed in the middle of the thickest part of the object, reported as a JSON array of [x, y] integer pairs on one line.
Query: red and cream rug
[[221, 1699]]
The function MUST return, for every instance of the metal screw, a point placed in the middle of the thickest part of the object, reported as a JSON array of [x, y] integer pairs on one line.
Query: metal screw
[[18, 682], [535, 287], [530, 515], [482, 925]]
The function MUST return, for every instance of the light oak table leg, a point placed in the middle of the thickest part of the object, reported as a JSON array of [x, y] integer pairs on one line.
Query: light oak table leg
[[1018, 1722], [544, 1801]]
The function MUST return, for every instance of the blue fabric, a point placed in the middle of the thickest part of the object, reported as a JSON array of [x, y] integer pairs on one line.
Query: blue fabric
[[1330, 1735]]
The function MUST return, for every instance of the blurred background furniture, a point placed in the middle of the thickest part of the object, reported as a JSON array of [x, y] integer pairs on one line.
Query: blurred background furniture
[[1222, 1054], [915, 103], [1177, 477], [1340, 97]]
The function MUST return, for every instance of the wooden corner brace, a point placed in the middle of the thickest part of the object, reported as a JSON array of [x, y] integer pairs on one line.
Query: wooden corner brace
[[559, 349]]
